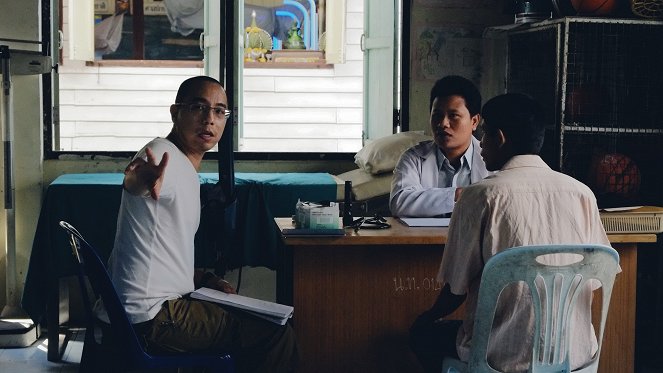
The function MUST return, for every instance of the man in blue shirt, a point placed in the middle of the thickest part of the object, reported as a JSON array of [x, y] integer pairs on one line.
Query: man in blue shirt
[[430, 176]]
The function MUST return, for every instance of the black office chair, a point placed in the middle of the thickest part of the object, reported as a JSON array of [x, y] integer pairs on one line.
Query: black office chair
[[128, 353]]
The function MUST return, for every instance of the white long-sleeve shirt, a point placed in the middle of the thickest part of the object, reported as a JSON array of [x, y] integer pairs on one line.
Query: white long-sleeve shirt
[[415, 189]]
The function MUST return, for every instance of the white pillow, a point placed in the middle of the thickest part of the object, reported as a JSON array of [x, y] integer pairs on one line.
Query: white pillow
[[381, 155], [366, 186]]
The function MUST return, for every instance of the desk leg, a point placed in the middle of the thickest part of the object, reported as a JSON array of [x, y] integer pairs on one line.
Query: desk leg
[[284, 276], [57, 305], [618, 351]]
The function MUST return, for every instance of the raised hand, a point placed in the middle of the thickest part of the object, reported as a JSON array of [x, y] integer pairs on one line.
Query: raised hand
[[145, 177]]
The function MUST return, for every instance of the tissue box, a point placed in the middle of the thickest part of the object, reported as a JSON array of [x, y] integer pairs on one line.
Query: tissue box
[[311, 215]]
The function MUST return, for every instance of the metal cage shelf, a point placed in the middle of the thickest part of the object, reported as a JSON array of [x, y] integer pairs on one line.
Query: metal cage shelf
[[600, 81]]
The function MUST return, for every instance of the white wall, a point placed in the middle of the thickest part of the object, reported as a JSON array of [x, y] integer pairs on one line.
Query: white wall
[[111, 107], [457, 48]]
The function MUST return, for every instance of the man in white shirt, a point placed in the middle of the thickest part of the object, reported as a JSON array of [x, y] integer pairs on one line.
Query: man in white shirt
[[430, 176], [152, 262], [525, 203]]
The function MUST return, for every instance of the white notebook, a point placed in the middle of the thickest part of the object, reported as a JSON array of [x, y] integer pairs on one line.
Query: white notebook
[[425, 222], [274, 312]]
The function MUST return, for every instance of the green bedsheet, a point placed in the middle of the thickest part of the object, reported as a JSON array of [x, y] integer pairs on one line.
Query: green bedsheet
[[90, 203]]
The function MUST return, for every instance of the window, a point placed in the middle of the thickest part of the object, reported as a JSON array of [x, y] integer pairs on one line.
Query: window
[[310, 100], [146, 30], [291, 109], [107, 104]]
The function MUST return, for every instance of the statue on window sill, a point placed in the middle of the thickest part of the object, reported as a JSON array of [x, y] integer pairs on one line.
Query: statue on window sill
[[294, 39]]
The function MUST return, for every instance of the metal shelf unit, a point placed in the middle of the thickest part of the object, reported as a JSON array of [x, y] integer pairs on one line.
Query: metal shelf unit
[[600, 81], [601, 84]]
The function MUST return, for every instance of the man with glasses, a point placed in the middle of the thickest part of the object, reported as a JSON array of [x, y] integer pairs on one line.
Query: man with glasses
[[152, 262]]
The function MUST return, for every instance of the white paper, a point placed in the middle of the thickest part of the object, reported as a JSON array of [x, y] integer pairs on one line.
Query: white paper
[[274, 312], [615, 209], [425, 222]]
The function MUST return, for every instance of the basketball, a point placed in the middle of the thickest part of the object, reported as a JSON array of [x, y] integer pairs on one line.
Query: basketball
[[588, 104], [614, 174], [594, 7]]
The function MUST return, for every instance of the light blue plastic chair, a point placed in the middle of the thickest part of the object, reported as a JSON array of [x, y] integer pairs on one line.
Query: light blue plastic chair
[[520, 264]]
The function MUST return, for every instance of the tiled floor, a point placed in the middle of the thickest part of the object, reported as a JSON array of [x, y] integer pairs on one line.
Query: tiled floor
[[257, 282], [33, 359]]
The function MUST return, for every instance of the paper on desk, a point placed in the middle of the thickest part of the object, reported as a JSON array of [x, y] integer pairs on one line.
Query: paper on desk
[[616, 209], [425, 222]]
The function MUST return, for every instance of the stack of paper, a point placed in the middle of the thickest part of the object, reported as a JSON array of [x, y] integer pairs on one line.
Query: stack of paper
[[274, 312], [425, 222], [313, 232], [635, 219]]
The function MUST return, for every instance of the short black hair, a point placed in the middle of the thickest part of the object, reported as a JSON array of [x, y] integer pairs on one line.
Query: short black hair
[[190, 85], [519, 117], [454, 85]]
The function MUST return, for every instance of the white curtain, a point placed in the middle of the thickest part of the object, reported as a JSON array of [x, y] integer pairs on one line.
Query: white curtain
[[185, 15], [108, 34]]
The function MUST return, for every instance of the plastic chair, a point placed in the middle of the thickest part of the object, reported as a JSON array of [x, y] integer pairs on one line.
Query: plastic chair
[[559, 283], [128, 353]]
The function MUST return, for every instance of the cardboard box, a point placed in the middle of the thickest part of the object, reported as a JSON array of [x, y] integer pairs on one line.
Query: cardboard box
[[309, 215]]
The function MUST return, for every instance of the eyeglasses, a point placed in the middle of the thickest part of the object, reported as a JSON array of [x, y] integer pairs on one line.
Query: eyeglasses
[[201, 109]]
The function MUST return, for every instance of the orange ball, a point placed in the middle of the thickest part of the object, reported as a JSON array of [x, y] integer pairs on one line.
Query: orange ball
[[594, 7], [615, 174]]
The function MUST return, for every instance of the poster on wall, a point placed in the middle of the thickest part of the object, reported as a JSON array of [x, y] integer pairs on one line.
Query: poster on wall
[[440, 51], [154, 7], [104, 6]]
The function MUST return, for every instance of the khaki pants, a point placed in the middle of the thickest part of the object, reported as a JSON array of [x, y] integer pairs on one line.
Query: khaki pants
[[190, 325]]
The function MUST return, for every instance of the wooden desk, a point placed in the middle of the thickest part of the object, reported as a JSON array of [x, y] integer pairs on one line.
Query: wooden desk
[[355, 297]]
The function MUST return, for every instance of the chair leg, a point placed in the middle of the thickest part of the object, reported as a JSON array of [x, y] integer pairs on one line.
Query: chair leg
[[89, 356]]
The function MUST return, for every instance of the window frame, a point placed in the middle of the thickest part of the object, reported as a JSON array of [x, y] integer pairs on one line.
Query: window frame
[[50, 90], [138, 43]]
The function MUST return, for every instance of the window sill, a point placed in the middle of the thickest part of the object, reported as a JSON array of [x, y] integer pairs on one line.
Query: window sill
[[288, 65], [145, 63], [210, 155], [199, 64], [292, 59]]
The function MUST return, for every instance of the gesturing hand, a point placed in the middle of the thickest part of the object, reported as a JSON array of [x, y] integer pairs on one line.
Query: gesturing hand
[[224, 286], [141, 177]]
